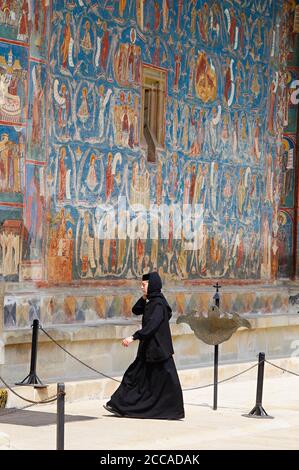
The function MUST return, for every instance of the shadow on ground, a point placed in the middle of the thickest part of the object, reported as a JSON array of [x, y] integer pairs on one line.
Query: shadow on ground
[[35, 418]]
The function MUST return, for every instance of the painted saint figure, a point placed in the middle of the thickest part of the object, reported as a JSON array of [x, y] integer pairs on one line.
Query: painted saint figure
[[34, 209], [227, 80], [205, 78], [23, 25], [180, 7], [177, 74], [91, 179], [175, 123], [203, 16], [256, 141], [159, 183], [232, 29], [187, 184], [62, 175], [157, 53], [40, 21], [131, 63], [173, 177], [67, 36], [193, 20], [103, 101], [83, 111], [109, 178], [165, 13], [104, 47], [38, 106], [191, 65], [122, 7], [270, 119], [87, 249], [156, 16], [86, 43], [63, 104]]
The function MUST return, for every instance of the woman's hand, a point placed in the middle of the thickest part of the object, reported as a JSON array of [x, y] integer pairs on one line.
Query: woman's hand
[[127, 341]]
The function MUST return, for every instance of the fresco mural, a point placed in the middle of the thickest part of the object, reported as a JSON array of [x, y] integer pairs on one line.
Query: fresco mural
[[23, 117], [12, 158], [285, 244], [37, 115], [224, 149], [14, 21], [39, 20], [223, 73], [33, 212], [287, 232], [14, 83], [288, 173], [11, 231]]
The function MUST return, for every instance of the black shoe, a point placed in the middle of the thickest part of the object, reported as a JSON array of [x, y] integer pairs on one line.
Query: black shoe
[[112, 410]]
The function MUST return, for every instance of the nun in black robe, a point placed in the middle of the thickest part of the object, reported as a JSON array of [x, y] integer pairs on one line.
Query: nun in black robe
[[150, 387]]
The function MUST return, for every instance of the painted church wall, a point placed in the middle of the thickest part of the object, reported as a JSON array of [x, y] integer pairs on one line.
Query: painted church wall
[[71, 143], [223, 122], [288, 218]]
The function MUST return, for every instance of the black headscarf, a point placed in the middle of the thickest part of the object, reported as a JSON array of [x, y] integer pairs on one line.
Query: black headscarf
[[154, 289], [154, 282]]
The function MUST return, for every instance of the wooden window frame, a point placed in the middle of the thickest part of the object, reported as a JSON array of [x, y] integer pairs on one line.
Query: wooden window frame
[[154, 79]]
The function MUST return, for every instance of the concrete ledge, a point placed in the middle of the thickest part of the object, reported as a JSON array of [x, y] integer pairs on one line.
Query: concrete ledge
[[99, 346], [103, 388], [119, 328]]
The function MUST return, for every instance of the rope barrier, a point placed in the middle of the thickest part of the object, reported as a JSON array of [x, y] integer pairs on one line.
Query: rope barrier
[[184, 390], [47, 400], [77, 359], [54, 398], [112, 378], [224, 380], [240, 373], [281, 368]]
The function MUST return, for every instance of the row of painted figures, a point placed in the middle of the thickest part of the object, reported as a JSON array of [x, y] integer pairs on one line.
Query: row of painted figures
[[210, 184], [104, 116], [195, 71], [96, 39], [16, 21], [213, 252]]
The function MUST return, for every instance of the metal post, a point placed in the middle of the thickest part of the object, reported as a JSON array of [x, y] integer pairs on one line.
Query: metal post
[[215, 377], [32, 378], [216, 352], [258, 410], [60, 417]]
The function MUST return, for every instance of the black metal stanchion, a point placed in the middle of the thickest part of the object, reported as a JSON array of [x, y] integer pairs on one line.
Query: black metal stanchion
[[258, 410], [60, 417], [32, 378], [216, 352]]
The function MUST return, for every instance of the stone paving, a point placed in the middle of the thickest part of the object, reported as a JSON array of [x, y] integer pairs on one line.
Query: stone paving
[[89, 426]]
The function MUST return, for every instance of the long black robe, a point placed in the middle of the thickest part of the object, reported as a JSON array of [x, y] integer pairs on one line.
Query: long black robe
[[150, 387]]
